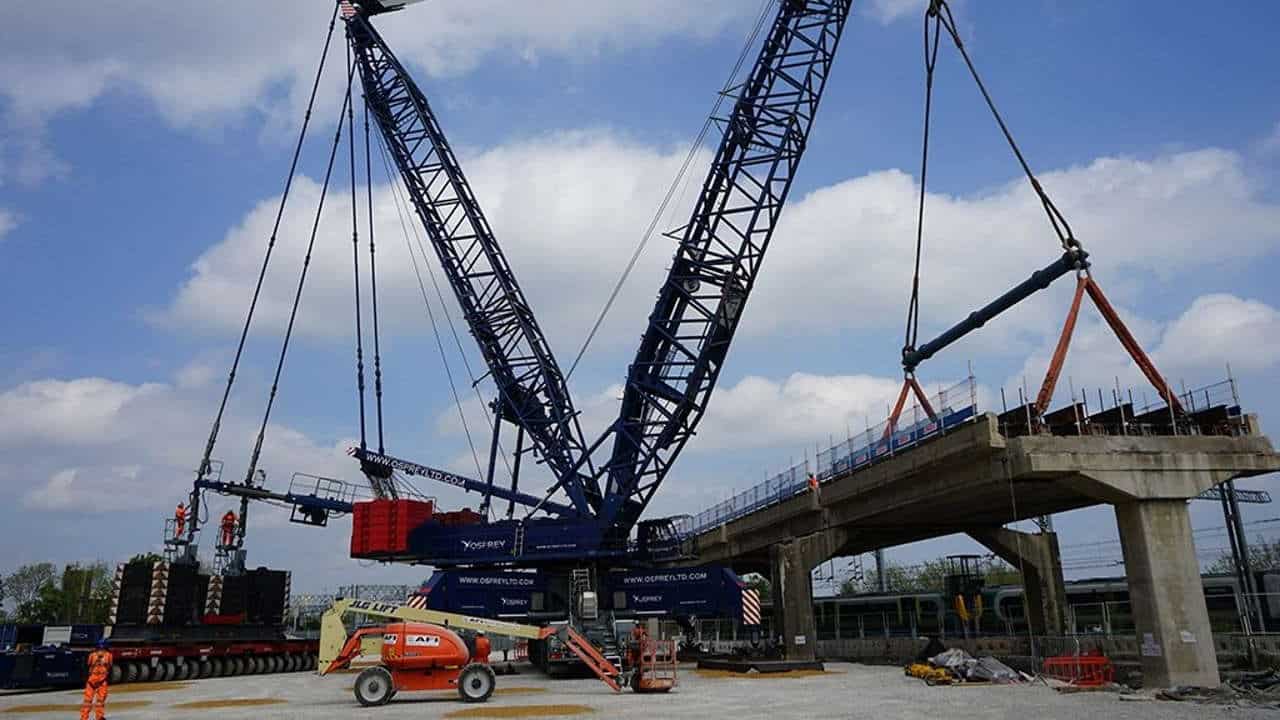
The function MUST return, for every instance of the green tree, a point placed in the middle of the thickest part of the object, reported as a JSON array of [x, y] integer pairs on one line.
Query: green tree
[[81, 595], [928, 576], [23, 585], [86, 593], [44, 609], [1263, 555], [760, 584]]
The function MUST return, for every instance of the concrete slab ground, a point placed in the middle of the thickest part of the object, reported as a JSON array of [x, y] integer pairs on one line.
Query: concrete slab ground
[[843, 691]]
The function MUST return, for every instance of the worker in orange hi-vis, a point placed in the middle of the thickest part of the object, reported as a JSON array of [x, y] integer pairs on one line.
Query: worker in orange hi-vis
[[179, 520], [95, 689], [483, 648], [813, 482], [636, 647], [228, 529]]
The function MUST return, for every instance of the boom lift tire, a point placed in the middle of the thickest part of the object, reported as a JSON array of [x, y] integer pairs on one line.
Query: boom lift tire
[[374, 686], [476, 682]]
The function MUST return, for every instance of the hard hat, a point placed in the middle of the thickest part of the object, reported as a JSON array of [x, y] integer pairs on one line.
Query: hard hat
[[103, 643]]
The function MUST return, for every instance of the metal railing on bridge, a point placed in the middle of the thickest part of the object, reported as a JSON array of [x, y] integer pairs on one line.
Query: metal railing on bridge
[[955, 406]]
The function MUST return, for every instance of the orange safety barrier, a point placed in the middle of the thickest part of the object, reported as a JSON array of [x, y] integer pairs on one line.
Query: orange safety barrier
[[1083, 670], [522, 650]]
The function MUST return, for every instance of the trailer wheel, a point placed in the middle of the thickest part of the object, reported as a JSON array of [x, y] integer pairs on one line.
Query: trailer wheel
[[188, 670], [277, 663], [113, 677], [374, 687], [476, 682], [312, 661], [235, 666], [131, 672], [295, 663]]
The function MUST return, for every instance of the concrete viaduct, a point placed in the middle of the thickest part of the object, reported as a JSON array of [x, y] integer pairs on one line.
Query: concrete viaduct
[[974, 480]]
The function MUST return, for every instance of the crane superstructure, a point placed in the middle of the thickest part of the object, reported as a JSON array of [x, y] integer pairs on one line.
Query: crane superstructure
[[689, 332]]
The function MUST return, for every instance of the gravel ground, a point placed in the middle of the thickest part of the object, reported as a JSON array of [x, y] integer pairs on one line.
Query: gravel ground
[[844, 691]]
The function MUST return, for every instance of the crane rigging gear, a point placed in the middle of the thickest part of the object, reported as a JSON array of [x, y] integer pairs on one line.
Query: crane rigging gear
[[204, 469], [938, 17]]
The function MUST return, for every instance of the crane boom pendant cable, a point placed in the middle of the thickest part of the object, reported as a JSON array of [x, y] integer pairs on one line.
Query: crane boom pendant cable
[[297, 298], [203, 468], [355, 251], [431, 316], [373, 282]]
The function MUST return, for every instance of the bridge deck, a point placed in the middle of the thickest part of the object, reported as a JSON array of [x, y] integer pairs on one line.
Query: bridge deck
[[975, 477]]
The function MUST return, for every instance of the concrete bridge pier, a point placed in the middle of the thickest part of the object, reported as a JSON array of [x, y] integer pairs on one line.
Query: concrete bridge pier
[[790, 569], [1166, 594], [1038, 558]]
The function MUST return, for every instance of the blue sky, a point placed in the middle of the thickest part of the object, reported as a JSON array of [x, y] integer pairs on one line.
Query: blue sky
[[139, 160]]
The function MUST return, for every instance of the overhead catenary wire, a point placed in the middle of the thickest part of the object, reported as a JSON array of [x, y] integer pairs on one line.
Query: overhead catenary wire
[[271, 243], [297, 298], [676, 184]]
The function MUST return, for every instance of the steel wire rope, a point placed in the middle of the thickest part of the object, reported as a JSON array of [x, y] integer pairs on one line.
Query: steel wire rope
[[913, 305], [297, 298], [671, 190], [271, 242], [373, 281], [938, 16], [942, 11], [435, 330], [355, 251], [444, 306], [1022, 572]]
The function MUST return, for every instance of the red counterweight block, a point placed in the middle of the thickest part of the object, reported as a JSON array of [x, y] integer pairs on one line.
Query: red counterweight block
[[382, 527]]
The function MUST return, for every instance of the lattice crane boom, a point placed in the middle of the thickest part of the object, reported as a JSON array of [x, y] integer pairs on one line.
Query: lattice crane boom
[[532, 390], [700, 304]]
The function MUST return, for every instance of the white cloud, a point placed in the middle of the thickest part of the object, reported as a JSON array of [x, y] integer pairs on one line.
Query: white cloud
[[887, 11], [1220, 327], [1271, 144], [7, 223], [797, 410], [1214, 330], [204, 65], [568, 234], [1138, 217], [92, 444]]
